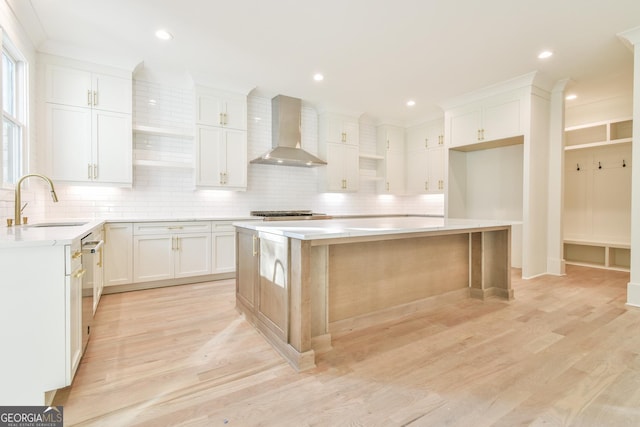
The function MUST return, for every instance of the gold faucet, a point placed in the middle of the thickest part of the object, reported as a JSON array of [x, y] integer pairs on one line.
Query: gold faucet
[[17, 210]]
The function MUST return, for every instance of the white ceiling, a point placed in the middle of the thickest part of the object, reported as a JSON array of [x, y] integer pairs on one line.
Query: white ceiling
[[375, 54]]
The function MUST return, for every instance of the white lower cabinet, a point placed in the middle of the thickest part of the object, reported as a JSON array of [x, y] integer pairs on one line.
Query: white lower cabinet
[[169, 250], [223, 240], [40, 320], [118, 257], [73, 312]]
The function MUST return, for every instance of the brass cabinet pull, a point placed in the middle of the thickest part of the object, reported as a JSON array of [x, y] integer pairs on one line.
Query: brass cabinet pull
[[426, 185], [175, 227], [255, 245], [344, 137], [78, 273], [95, 171], [220, 120], [95, 97], [76, 255], [88, 170], [440, 139], [225, 118], [426, 143], [89, 98]]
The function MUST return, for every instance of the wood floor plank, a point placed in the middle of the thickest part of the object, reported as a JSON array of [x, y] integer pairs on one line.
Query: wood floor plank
[[565, 352]]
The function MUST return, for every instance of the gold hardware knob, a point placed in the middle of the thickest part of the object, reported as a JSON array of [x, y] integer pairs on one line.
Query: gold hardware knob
[[9, 222]]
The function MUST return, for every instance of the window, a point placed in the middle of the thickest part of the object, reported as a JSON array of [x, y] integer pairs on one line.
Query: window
[[13, 113]]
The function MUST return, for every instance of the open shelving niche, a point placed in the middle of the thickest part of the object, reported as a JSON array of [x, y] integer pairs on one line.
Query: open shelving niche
[[163, 147], [600, 252], [369, 167]]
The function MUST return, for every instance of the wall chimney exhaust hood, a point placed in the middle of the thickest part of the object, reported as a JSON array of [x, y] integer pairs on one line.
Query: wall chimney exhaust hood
[[286, 120]]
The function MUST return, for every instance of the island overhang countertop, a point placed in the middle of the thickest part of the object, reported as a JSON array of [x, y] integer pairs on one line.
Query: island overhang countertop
[[361, 227]]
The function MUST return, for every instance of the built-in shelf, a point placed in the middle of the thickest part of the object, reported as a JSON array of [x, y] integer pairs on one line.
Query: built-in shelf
[[609, 255], [371, 156], [163, 164], [598, 134], [152, 158], [162, 131]]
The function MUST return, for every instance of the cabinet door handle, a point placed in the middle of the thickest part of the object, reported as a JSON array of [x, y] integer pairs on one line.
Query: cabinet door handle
[[255, 245], [89, 98], [95, 171], [78, 273], [95, 97], [426, 185], [177, 243], [426, 143], [88, 170], [175, 227], [440, 139], [387, 186], [76, 255], [344, 137], [225, 118], [221, 120]]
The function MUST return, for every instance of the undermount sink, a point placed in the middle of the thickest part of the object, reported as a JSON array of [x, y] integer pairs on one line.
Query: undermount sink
[[57, 224]]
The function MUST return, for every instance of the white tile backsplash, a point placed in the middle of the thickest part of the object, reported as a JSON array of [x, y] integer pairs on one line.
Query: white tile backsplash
[[164, 192]]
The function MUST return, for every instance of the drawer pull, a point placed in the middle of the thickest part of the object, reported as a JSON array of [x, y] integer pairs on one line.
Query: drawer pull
[[78, 273]]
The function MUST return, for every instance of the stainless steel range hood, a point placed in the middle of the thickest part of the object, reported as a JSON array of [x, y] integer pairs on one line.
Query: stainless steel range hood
[[286, 117]]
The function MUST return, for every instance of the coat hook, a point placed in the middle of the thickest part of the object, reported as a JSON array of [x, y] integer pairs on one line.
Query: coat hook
[[599, 165], [624, 165], [577, 166]]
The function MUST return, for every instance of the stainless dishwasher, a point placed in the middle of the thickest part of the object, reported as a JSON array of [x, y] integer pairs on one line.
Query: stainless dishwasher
[[91, 262]]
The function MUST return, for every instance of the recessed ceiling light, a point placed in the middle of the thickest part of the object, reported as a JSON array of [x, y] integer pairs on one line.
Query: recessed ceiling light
[[571, 97], [164, 35], [411, 103], [318, 77], [545, 54]]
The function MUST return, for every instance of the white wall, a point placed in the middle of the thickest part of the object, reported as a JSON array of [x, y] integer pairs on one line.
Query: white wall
[[169, 192]]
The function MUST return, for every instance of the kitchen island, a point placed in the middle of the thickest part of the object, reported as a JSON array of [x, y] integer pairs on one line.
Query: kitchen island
[[299, 282]]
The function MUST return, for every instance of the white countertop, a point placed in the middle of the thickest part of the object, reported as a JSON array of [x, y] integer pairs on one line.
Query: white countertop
[[31, 235], [358, 227]]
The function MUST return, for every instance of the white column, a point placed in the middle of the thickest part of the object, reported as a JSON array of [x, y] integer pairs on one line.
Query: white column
[[555, 259], [632, 37]]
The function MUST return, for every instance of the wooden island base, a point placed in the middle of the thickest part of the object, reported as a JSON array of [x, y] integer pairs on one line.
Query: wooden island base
[[298, 292]]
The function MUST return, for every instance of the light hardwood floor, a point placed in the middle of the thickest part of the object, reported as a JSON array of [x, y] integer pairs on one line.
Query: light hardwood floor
[[565, 351]]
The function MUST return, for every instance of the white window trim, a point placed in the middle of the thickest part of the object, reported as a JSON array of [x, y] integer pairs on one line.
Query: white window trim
[[22, 106]]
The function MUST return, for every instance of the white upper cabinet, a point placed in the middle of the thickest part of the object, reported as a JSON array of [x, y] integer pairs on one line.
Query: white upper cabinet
[[80, 88], [221, 139], [425, 158], [220, 108], [339, 139], [339, 128], [390, 142], [87, 122], [221, 158], [494, 118]]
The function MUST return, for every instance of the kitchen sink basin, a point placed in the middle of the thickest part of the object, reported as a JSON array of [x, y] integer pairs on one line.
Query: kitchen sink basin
[[57, 224]]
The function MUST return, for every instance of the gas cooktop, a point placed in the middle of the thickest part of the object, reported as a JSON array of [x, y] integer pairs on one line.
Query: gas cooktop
[[289, 215]]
